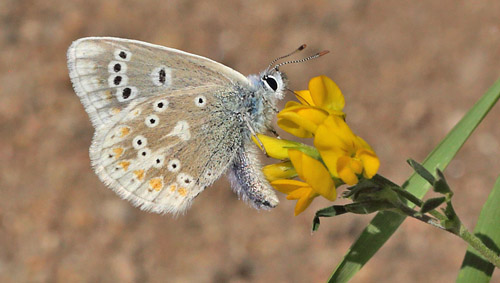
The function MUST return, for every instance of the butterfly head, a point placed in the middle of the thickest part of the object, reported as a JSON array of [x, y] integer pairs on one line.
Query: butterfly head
[[274, 81]]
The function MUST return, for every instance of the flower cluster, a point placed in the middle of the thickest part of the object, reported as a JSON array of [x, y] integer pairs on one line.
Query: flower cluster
[[338, 156]]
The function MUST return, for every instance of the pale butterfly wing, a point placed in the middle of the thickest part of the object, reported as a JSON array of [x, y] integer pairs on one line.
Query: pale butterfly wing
[[161, 162], [158, 116], [107, 72]]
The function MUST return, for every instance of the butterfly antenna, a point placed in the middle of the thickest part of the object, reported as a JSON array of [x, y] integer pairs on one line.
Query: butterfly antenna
[[302, 47], [319, 54]]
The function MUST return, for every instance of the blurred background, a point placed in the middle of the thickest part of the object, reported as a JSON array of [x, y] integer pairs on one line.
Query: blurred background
[[409, 71]]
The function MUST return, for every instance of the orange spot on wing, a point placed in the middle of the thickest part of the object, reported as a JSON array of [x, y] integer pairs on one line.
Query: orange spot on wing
[[173, 187], [124, 165], [108, 94], [118, 151], [156, 184], [182, 191], [124, 131], [115, 111], [139, 174]]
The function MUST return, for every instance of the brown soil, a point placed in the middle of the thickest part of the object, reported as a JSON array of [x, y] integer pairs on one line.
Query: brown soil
[[409, 72]]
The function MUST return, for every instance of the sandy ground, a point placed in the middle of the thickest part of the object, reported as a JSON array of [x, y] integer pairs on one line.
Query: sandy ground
[[409, 72]]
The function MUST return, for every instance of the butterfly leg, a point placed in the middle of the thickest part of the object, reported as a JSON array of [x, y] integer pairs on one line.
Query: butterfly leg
[[252, 131], [248, 181], [270, 105], [273, 131]]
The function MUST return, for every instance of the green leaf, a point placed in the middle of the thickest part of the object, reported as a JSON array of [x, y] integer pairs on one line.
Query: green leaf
[[315, 225], [384, 224], [331, 211], [431, 204], [421, 171], [441, 186], [474, 267]]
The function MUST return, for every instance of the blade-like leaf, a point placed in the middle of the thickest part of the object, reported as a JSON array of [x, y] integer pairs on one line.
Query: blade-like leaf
[[420, 170], [474, 267], [385, 224], [441, 186], [331, 211]]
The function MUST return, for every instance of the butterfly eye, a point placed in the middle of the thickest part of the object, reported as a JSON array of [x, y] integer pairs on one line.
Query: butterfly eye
[[271, 82]]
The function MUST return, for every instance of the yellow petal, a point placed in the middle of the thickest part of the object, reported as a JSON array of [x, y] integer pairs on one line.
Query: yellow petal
[[304, 96], [356, 166], [331, 142], [275, 148], [293, 128], [345, 171], [326, 94], [317, 176], [283, 170], [306, 118], [363, 143], [330, 158], [370, 161], [296, 159], [334, 133], [292, 103], [304, 202], [287, 186], [314, 173], [315, 115], [299, 193]]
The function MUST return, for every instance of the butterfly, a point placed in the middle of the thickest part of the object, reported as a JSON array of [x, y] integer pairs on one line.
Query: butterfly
[[170, 123]]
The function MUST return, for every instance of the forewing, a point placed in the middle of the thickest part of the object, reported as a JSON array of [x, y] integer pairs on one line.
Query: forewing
[[109, 73], [162, 132]]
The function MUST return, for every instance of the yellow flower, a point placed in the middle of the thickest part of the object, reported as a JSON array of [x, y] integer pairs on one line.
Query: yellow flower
[[301, 120], [275, 148], [283, 170], [322, 99], [323, 93], [317, 181], [345, 155]]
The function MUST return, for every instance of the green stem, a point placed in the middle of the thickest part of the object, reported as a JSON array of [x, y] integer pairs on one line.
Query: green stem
[[421, 217], [476, 243], [463, 233], [416, 201], [437, 214]]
